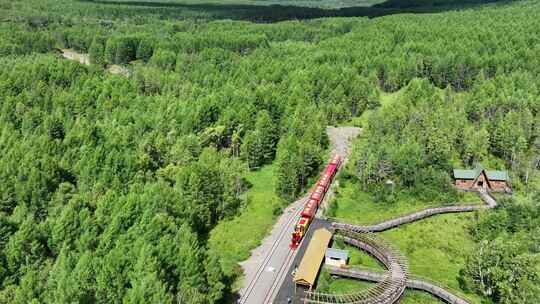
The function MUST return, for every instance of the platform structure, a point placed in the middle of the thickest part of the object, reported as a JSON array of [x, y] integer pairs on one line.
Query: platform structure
[[307, 272], [387, 291], [391, 283]]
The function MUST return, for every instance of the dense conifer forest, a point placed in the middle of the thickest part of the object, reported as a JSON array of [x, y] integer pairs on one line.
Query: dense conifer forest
[[112, 184]]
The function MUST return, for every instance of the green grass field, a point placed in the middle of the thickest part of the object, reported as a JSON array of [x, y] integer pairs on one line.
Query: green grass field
[[355, 206], [251, 226], [385, 99], [341, 286], [359, 258], [435, 247], [419, 297]]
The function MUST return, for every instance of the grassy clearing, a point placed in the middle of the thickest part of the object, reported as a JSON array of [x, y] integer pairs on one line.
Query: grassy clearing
[[419, 297], [355, 206], [251, 226], [340, 285], [336, 285], [436, 247], [330, 4]]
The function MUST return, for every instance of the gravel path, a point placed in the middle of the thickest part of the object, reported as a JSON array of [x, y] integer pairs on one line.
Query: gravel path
[[340, 139]]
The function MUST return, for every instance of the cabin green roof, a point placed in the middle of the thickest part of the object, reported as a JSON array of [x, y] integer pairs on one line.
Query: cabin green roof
[[464, 174], [497, 175], [474, 173]]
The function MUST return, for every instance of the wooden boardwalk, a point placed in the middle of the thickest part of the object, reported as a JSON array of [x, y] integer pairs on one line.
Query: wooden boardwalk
[[416, 216], [412, 283], [388, 289], [391, 283]]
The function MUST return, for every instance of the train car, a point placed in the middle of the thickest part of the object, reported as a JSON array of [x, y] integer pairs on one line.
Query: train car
[[299, 231], [309, 209], [324, 181], [318, 194], [336, 160], [316, 197]]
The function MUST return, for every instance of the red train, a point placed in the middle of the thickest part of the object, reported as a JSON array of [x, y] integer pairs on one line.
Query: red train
[[316, 197]]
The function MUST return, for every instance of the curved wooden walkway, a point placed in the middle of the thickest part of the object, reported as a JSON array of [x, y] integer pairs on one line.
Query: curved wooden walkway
[[415, 216], [389, 287], [412, 283], [390, 284]]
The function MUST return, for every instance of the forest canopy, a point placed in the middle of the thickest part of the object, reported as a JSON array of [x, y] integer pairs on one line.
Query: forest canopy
[[112, 184]]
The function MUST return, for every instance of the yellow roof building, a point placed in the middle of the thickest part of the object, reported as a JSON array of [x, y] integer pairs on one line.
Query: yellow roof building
[[313, 258]]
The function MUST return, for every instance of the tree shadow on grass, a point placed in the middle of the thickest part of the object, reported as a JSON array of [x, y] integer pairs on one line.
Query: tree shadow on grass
[[275, 13]]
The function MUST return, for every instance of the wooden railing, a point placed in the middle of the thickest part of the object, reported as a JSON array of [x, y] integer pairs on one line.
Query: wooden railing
[[389, 287], [390, 284]]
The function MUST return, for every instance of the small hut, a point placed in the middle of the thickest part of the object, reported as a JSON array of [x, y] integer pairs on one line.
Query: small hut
[[336, 257], [481, 179]]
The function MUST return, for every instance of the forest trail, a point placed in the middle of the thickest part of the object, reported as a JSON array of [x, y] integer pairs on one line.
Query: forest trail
[[75, 56], [264, 269], [84, 59]]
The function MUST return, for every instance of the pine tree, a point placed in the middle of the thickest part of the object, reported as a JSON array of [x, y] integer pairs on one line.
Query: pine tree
[[252, 150], [97, 51], [288, 170], [267, 132]]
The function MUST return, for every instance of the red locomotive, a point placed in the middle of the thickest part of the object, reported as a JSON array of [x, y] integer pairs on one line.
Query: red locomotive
[[316, 197]]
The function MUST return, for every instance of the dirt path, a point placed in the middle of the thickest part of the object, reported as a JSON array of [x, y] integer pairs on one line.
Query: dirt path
[[264, 270], [85, 59], [73, 55]]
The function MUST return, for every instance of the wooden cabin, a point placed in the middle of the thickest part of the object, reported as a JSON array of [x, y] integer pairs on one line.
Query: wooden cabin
[[481, 179]]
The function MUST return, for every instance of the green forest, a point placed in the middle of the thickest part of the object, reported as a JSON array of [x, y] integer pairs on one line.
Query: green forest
[[113, 185]]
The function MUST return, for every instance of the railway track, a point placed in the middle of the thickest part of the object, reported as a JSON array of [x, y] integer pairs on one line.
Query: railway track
[[391, 284], [263, 286], [282, 274], [248, 292]]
